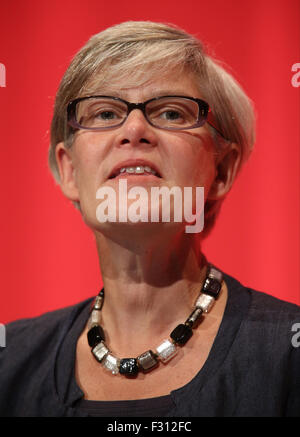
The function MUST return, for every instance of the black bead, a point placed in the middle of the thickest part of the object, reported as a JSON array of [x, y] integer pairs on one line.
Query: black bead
[[194, 318], [95, 335], [128, 367], [181, 334], [212, 287]]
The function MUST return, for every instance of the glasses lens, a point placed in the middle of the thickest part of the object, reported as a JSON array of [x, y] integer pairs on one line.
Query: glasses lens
[[173, 112], [100, 112]]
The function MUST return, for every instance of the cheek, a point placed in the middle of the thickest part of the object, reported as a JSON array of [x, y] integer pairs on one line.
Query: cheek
[[87, 170], [194, 163], [87, 162], [87, 159], [205, 169]]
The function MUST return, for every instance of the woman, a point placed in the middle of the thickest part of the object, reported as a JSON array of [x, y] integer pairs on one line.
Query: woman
[[143, 107]]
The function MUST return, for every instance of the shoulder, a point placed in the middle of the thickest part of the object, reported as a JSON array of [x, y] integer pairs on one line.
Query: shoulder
[[273, 310], [269, 326], [26, 337], [261, 304], [27, 362], [42, 326], [266, 350]]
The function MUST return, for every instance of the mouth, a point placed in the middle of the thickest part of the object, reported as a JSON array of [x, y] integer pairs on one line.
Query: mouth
[[134, 168]]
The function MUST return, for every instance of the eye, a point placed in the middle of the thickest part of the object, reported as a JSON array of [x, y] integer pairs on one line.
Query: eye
[[168, 114], [100, 112], [105, 115], [172, 112], [171, 115]]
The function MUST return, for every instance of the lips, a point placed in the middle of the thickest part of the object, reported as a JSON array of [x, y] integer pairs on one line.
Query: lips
[[149, 168]]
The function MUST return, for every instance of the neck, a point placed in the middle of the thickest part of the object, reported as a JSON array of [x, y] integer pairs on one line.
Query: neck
[[150, 286]]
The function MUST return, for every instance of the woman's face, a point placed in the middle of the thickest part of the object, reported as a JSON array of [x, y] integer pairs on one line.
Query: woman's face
[[182, 158]]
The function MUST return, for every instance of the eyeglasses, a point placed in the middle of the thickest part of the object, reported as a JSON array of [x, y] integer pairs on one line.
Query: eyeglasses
[[98, 113]]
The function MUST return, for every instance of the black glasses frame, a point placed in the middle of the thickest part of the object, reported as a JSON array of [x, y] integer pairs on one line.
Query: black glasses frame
[[203, 112]]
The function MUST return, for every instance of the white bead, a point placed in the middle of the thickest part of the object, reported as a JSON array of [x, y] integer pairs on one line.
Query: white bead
[[215, 274], [166, 350], [99, 351], [111, 363], [94, 319], [205, 302], [98, 303]]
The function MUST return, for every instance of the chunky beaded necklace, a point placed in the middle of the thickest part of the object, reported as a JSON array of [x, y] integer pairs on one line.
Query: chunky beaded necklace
[[168, 348]]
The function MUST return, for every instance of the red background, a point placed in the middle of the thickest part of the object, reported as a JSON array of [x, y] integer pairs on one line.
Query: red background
[[48, 258]]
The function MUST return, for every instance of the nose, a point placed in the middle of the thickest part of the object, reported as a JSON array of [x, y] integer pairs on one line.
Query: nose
[[136, 131]]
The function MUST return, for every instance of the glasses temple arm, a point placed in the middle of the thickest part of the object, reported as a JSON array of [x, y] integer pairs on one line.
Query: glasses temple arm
[[209, 120]]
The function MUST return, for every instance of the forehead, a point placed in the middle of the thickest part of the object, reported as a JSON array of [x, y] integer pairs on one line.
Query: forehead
[[134, 88]]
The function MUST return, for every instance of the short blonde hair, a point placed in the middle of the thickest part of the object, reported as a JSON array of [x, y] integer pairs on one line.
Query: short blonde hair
[[140, 51]]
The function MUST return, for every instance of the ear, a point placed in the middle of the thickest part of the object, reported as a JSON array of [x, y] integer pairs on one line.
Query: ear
[[227, 165], [67, 172]]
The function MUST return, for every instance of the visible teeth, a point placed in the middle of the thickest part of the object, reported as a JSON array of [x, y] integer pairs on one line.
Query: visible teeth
[[130, 169], [139, 169]]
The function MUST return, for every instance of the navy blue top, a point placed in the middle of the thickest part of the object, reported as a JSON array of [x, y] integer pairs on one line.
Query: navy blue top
[[253, 368]]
